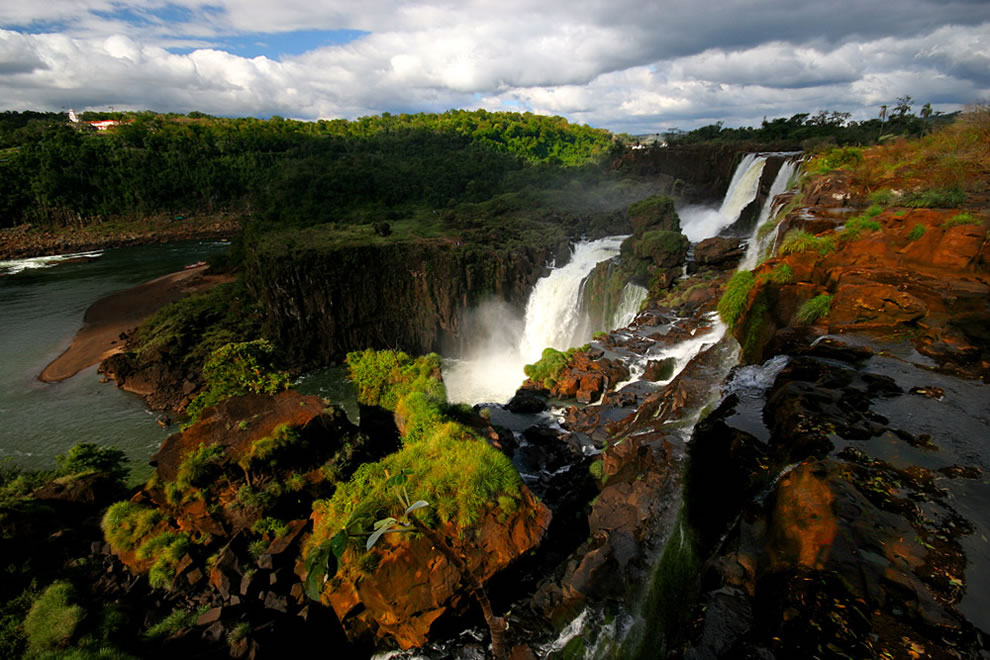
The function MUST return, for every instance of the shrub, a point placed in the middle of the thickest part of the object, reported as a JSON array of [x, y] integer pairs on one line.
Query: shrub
[[53, 618], [916, 232], [882, 196], [235, 369], [546, 370], [834, 159], [934, 198], [733, 301], [126, 523], [273, 527], [172, 623], [782, 274], [798, 240], [198, 466], [87, 457], [960, 219], [453, 469], [856, 225], [384, 377], [814, 309], [166, 551]]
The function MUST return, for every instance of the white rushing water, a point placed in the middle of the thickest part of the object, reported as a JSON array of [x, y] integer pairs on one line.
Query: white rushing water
[[502, 343], [14, 266], [633, 296], [779, 185], [700, 222]]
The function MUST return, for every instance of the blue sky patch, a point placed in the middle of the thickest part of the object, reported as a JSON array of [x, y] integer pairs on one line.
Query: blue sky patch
[[275, 44]]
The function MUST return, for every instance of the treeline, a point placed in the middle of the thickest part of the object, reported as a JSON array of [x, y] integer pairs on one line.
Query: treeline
[[56, 173], [807, 130]]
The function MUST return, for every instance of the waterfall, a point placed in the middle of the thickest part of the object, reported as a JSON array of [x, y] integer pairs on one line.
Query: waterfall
[[491, 369], [633, 296], [699, 223], [779, 185], [554, 314]]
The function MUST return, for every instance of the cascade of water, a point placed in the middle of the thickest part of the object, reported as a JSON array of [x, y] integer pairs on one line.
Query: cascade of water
[[554, 314], [779, 185], [633, 296], [492, 368], [699, 223]]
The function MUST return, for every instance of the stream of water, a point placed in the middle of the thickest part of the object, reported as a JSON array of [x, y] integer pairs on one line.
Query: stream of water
[[42, 303]]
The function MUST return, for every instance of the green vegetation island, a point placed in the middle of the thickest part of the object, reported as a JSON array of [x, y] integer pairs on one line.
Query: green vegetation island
[[767, 439]]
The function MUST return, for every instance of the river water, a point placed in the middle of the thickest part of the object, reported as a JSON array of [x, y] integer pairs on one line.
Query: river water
[[42, 304]]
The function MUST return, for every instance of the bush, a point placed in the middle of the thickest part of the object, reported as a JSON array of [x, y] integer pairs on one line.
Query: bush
[[88, 457], [733, 301], [198, 466], [916, 232], [384, 377], [782, 274], [883, 196], [944, 198], [960, 219], [856, 225], [814, 309], [126, 523], [834, 159], [235, 369], [798, 240], [53, 619]]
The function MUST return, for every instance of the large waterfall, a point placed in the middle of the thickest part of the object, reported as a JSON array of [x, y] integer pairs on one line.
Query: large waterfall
[[502, 343], [699, 222]]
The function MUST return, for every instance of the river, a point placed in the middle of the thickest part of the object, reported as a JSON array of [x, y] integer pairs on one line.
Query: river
[[41, 307]]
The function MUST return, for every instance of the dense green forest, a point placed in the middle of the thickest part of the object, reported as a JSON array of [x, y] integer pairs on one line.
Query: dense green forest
[[825, 127], [56, 174]]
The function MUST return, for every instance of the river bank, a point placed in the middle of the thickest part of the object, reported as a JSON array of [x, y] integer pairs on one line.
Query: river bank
[[109, 318], [27, 240]]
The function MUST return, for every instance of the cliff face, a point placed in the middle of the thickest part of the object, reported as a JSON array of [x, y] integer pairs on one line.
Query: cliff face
[[320, 304]]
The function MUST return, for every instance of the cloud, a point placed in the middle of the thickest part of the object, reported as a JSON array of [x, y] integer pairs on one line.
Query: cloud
[[622, 64]]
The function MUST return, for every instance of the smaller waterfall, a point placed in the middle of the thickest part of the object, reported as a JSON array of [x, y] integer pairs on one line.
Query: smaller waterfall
[[633, 296], [779, 185], [699, 223]]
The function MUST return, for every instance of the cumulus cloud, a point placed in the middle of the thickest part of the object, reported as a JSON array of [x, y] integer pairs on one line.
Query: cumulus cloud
[[622, 64]]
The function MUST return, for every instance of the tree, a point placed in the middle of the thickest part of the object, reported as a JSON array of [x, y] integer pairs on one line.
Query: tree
[[903, 106]]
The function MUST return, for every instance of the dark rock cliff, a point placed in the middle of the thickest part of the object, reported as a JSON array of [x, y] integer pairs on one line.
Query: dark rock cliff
[[322, 303]]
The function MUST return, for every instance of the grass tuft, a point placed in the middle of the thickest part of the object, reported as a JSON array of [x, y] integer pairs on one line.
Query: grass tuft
[[733, 301], [816, 308]]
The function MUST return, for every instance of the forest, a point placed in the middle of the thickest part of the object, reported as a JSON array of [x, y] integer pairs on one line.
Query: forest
[[56, 173]]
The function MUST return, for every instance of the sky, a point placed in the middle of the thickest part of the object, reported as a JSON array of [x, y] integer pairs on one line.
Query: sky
[[632, 66]]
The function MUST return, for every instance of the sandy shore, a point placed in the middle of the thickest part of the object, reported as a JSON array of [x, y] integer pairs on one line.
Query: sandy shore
[[108, 318]]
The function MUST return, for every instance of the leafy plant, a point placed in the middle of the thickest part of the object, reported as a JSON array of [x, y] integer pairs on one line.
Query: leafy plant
[[733, 301], [814, 309]]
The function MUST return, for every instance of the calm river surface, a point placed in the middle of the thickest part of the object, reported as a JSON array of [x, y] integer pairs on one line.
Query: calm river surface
[[41, 308]]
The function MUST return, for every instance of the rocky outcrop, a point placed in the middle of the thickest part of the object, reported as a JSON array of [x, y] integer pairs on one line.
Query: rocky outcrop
[[413, 583], [930, 286]]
